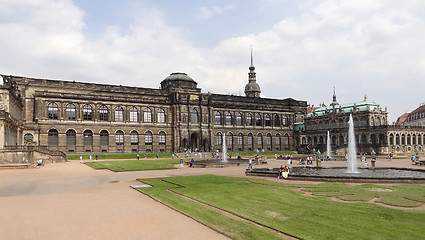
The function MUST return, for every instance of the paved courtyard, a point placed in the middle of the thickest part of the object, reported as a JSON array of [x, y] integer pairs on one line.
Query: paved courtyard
[[72, 201]]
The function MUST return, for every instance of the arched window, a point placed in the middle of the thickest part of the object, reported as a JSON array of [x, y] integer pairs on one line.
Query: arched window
[[250, 139], [53, 137], [373, 139], [268, 120], [278, 139], [53, 111], [240, 139], [147, 115], [219, 137], [194, 116], [315, 141], [119, 114], [70, 111], [363, 121], [403, 139], [229, 139], [161, 115], [249, 119], [397, 139], [239, 119], [88, 138], [87, 112], [364, 139], [341, 140], [148, 138], [258, 121], [408, 139], [286, 139], [378, 121], [217, 118], [269, 139], [372, 121], [28, 137], [119, 137], [414, 139], [333, 124], [103, 113], [419, 139], [71, 137], [260, 140], [276, 121], [161, 138], [285, 121], [104, 138], [228, 118], [321, 140], [303, 141], [356, 122], [134, 138], [341, 123], [134, 114]]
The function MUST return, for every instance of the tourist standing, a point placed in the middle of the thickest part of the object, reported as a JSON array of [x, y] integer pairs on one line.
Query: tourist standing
[[97, 157], [138, 156], [391, 156], [250, 163], [81, 159], [191, 162], [413, 159], [181, 162]]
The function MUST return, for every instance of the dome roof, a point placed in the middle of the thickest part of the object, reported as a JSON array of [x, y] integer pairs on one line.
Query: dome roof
[[179, 77], [252, 87], [179, 80]]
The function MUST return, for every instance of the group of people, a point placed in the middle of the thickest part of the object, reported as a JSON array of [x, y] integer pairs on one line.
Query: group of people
[[283, 172]]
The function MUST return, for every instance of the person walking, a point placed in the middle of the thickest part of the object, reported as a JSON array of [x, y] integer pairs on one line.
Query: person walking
[[250, 163], [181, 162]]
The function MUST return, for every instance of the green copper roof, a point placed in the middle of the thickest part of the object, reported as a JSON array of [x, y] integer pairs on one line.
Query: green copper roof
[[362, 106]]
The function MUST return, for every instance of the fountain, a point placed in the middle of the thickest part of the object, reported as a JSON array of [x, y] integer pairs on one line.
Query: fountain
[[224, 148], [351, 150], [328, 146]]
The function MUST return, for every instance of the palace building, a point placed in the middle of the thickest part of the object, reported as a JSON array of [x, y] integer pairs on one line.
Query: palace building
[[75, 117], [371, 128]]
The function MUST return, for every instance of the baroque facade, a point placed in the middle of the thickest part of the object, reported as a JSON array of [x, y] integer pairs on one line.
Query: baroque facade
[[371, 127], [86, 117]]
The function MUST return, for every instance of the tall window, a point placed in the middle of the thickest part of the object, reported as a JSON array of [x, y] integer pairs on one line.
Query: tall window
[[276, 121], [70, 111], [286, 139], [269, 139], [119, 137], [239, 119], [278, 139], [87, 112], [88, 138], [134, 138], [341, 140], [285, 120], [161, 115], [219, 137], [341, 123], [229, 139], [119, 114], [194, 116], [70, 137], [53, 137], [259, 140], [134, 114], [103, 113], [161, 138], [148, 138], [104, 138], [258, 121], [217, 118], [250, 139], [228, 118], [249, 119], [268, 120], [147, 115], [53, 111], [240, 139]]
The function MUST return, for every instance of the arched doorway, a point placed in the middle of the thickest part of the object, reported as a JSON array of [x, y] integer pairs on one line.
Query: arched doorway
[[194, 142]]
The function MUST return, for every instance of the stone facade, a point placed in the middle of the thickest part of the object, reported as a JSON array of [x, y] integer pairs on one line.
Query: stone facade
[[370, 125], [85, 117]]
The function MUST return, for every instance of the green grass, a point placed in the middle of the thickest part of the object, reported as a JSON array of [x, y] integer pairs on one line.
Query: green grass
[[277, 206], [134, 165], [117, 156]]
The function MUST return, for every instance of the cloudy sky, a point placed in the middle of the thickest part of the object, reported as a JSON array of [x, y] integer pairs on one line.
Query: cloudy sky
[[302, 49]]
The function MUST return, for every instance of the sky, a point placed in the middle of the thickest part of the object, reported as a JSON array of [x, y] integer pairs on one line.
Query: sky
[[301, 49]]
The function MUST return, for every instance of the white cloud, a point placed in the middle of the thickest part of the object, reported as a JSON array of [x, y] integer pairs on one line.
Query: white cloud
[[206, 13], [360, 47]]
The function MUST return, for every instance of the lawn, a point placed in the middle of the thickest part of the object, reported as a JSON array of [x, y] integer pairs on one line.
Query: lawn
[[134, 165], [278, 206]]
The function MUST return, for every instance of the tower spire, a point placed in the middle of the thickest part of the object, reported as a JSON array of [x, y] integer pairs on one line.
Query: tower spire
[[334, 102], [252, 89]]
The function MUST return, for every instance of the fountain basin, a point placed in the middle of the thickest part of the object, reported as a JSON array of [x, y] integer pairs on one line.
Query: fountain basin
[[339, 174], [214, 163]]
